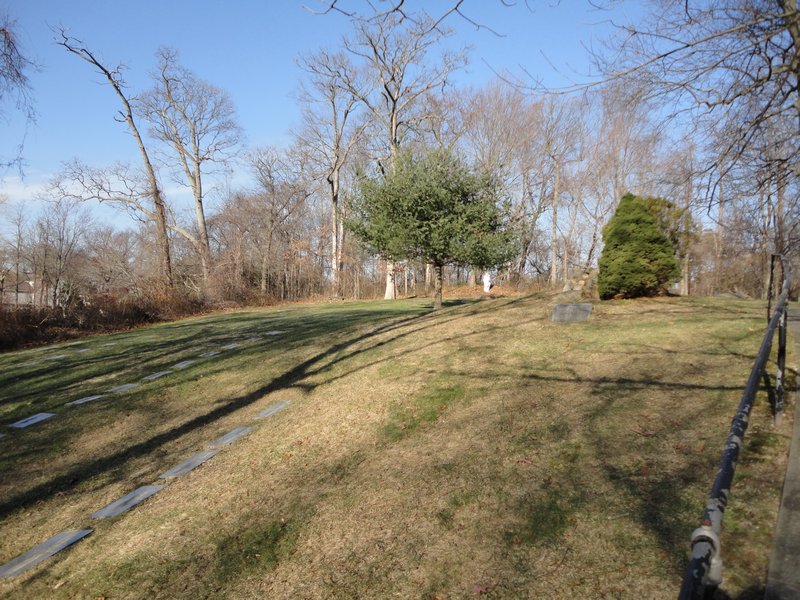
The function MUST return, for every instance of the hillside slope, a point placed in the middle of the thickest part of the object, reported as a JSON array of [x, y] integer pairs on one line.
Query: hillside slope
[[482, 450]]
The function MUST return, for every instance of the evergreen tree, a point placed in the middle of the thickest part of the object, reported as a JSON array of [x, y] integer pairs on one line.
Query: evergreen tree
[[638, 259], [432, 208]]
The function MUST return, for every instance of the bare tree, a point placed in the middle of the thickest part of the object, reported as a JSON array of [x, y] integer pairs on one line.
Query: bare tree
[[197, 121], [331, 133], [112, 261], [392, 51], [400, 9], [18, 219], [14, 82], [59, 232], [560, 133], [282, 192], [732, 65], [618, 157], [102, 186]]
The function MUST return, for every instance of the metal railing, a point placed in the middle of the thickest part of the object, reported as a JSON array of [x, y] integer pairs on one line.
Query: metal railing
[[705, 567]]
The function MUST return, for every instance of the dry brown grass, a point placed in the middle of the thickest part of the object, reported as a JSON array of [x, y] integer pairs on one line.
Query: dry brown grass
[[482, 451]]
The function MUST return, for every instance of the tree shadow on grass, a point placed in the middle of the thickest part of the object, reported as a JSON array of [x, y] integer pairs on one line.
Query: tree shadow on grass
[[294, 378]]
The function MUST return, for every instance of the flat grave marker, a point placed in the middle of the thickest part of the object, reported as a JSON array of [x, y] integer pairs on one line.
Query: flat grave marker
[[271, 410], [209, 354], [274, 332], [123, 388], [85, 399], [127, 502], [56, 357], [30, 363], [183, 364], [32, 420], [230, 346], [41, 552], [571, 313], [230, 437], [153, 376], [195, 460]]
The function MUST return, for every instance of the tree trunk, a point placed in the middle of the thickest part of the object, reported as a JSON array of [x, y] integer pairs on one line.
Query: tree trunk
[[683, 249], [337, 233], [718, 246], [334, 249], [391, 287], [779, 243], [160, 212], [592, 247], [205, 248], [16, 279], [428, 277], [162, 235], [437, 287], [265, 266], [554, 239], [685, 276]]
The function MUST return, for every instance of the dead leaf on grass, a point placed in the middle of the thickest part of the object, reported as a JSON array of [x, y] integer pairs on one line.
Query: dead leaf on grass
[[644, 432], [481, 588]]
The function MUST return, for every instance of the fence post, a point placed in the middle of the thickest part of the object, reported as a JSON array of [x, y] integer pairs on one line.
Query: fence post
[[769, 286], [779, 376]]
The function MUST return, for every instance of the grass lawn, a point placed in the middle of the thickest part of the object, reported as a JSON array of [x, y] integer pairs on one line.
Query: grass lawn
[[479, 451]]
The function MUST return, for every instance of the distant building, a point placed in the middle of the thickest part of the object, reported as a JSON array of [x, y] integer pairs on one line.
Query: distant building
[[25, 294]]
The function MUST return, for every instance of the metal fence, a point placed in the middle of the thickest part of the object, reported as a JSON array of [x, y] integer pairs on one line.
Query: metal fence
[[705, 567]]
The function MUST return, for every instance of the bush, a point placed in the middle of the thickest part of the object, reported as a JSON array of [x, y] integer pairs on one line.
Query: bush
[[638, 259], [32, 325]]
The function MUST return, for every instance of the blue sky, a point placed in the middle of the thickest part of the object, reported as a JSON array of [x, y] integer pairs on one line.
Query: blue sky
[[249, 49]]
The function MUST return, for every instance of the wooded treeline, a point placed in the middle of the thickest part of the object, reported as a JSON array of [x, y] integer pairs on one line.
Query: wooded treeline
[[564, 161]]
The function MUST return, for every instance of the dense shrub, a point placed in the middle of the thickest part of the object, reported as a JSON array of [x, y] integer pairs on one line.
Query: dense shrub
[[638, 259], [31, 325]]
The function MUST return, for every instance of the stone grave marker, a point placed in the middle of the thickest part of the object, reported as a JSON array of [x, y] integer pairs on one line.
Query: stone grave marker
[[271, 410], [41, 552], [56, 357], [127, 502], [153, 376], [571, 313], [274, 332], [230, 437], [85, 399], [195, 460], [183, 364], [32, 420], [230, 346], [123, 388], [209, 354]]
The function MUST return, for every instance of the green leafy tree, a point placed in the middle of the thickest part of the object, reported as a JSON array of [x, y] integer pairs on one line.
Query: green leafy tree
[[638, 259], [433, 208], [674, 222]]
